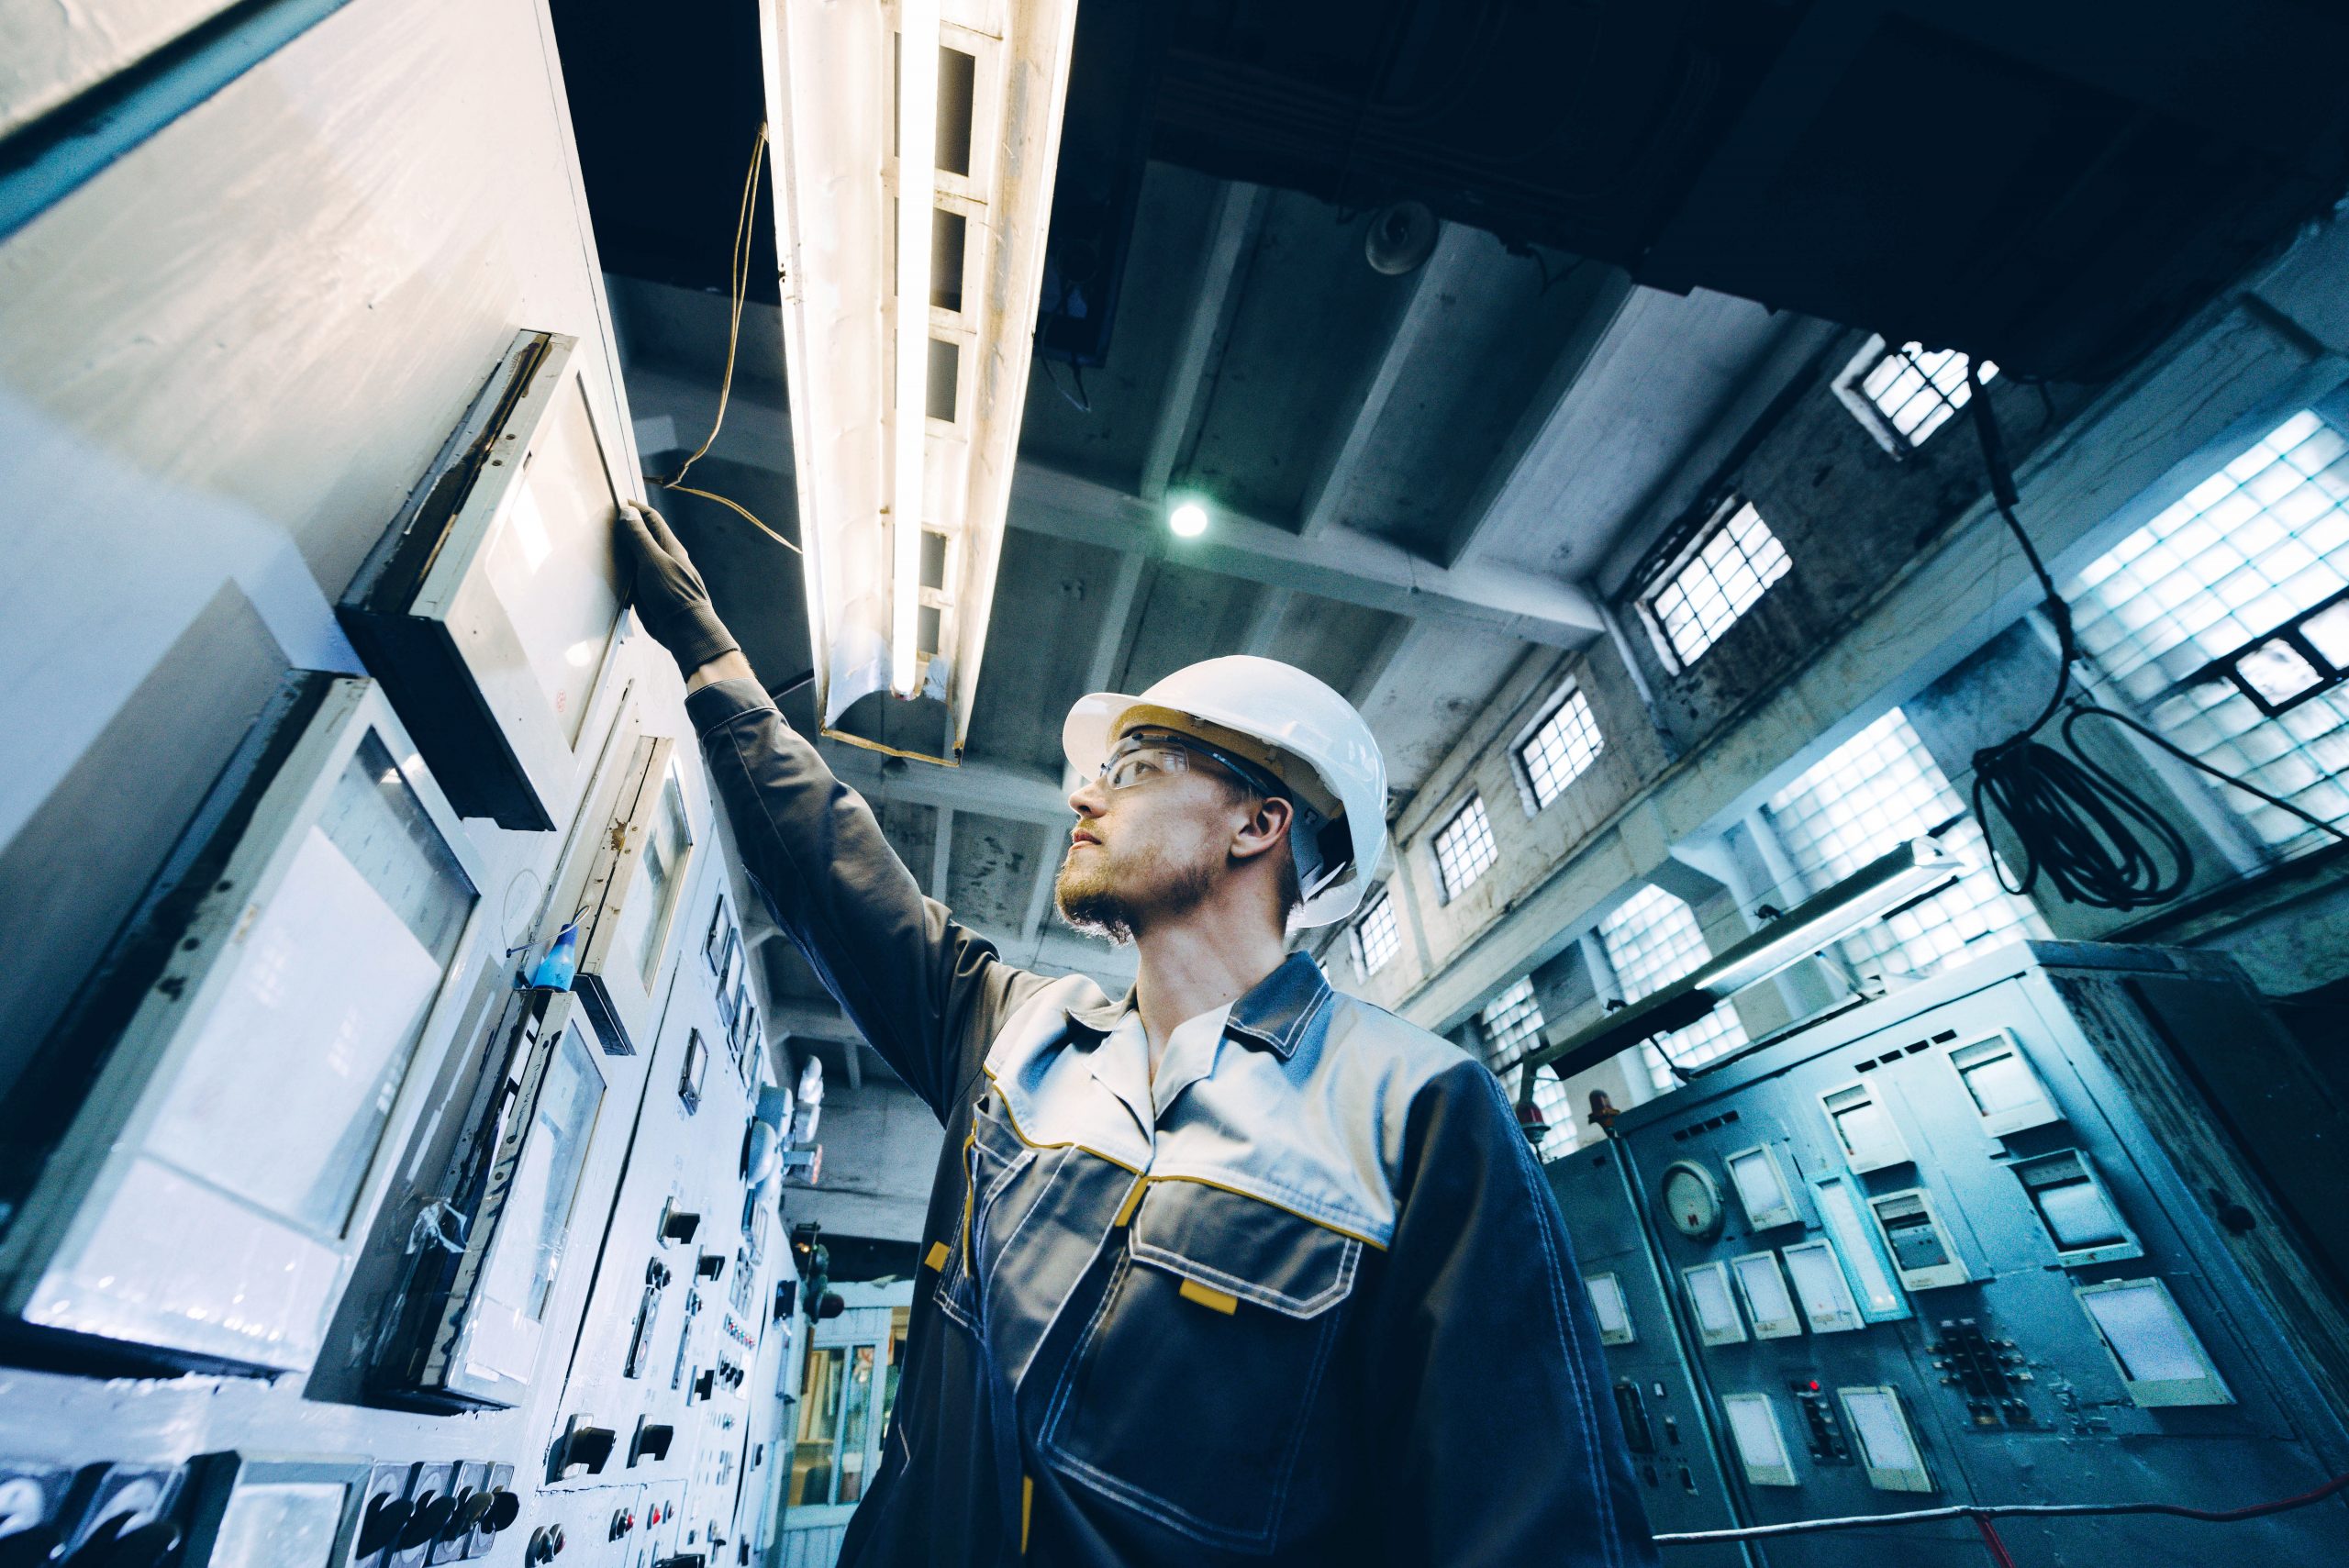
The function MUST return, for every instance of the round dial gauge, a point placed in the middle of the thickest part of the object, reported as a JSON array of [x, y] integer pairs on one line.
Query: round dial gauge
[[1693, 1200]]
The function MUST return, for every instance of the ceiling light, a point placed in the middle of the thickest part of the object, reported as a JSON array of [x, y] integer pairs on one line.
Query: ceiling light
[[912, 188], [1188, 520]]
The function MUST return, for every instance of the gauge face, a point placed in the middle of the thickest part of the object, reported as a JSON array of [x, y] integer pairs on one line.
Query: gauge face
[[1693, 1200]]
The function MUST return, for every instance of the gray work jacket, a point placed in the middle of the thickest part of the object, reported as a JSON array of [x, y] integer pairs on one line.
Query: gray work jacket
[[1302, 1298]]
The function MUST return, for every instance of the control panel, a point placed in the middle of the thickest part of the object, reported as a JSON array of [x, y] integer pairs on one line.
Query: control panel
[[1929, 1251]]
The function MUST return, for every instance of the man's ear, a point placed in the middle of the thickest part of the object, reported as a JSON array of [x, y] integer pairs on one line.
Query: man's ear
[[1266, 827]]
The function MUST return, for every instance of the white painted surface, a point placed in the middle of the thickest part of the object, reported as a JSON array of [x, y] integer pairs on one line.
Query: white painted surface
[[53, 49]]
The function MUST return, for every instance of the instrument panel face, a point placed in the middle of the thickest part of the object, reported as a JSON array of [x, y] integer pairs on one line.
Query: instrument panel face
[[1934, 1257]]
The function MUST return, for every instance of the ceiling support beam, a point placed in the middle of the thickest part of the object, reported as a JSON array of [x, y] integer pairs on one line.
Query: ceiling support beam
[[991, 789], [1116, 619], [1499, 499], [1264, 622], [1420, 315], [1239, 213], [1343, 564]]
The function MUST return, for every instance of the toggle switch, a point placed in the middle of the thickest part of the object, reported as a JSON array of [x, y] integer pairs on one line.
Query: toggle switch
[[583, 1442], [650, 1442], [386, 1516], [677, 1224], [712, 1264], [545, 1545]]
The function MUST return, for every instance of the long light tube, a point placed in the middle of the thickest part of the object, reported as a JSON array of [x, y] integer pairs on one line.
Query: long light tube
[[917, 195]]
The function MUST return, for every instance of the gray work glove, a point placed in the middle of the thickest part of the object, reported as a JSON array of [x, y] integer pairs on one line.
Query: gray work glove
[[671, 599]]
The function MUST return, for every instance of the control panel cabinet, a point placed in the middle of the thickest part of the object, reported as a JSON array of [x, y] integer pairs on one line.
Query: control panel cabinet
[[1933, 1251]]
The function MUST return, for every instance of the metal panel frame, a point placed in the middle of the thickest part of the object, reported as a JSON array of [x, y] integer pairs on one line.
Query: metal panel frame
[[66, 1208]]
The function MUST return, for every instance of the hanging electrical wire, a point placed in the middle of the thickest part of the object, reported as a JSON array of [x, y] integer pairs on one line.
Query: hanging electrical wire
[[737, 289], [2096, 840]]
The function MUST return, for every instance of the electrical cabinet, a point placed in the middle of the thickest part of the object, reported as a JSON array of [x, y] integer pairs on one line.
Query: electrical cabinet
[[296, 968], [1973, 1256], [490, 607]]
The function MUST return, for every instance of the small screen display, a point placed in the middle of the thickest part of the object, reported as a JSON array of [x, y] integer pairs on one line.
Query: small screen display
[[1709, 1293], [1843, 1215], [1755, 1429], [2148, 1338], [1759, 1189], [1607, 1304], [1883, 1429], [280, 1524], [535, 1223], [1765, 1290], [1819, 1282]]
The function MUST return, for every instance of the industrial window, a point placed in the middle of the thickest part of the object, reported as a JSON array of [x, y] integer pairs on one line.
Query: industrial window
[[1720, 581], [1653, 939], [1904, 395], [1511, 1025], [1464, 848], [1561, 747], [1876, 790], [2202, 616], [1376, 935]]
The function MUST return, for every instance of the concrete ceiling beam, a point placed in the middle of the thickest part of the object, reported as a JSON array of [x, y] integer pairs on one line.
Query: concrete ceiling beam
[[990, 789], [941, 853], [1343, 564], [1501, 495], [1231, 236], [1420, 313]]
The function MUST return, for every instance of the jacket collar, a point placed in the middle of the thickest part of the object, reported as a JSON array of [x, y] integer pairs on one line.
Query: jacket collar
[[1274, 1014]]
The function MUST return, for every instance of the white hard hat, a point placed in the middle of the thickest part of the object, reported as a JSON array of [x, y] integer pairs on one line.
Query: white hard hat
[[1305, 734]]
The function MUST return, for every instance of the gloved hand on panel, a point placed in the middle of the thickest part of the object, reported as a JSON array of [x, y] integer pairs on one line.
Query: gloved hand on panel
[[669, 594]]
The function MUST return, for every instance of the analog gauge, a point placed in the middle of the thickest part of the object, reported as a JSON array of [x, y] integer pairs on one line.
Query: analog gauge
[[1693, 1199]]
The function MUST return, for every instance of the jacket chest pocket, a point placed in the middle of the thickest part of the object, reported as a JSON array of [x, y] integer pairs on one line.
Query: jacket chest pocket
[[1195, 1393]]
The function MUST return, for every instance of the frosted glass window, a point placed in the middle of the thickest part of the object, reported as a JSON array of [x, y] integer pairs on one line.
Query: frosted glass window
[[279, 1524], [535, 1225], [1767, 1300], [1511, 1025], [1820, 1285], [1376, 936], [1874, 793], [2257, 543], [1725, 576], [1607, 1304], [1717, 1315], [1761, 1189], [1561, 749], [1916, 391], [1754, 1427], [1651, 940], [331, 990], [1464, 848]]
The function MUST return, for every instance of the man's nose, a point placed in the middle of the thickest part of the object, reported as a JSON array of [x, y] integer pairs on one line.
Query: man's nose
[[1087, 799]]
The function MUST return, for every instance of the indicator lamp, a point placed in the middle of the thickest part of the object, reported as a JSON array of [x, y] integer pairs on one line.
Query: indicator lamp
[[1188, 520]]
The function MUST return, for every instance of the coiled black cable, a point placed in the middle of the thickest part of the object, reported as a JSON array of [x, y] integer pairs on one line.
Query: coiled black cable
[[2073, 820]]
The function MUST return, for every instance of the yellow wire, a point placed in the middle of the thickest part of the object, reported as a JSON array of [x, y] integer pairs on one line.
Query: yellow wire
[[739, 281]]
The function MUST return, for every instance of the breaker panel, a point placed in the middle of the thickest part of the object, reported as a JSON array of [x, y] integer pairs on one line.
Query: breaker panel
[[1934, 1251]]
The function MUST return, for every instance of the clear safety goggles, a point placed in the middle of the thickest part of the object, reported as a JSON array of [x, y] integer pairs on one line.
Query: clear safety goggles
[[1137, 759]]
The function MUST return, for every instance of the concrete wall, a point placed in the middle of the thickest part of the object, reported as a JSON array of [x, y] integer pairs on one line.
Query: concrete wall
[[1905, 588]]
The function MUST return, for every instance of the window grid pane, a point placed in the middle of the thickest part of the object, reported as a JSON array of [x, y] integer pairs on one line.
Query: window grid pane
[[1869, 794], [1719, 582], [1511, 1023], [1567, 743], [1653, 939], [2263, 538], [1464, 848], [1916, 391], [1376, 936]]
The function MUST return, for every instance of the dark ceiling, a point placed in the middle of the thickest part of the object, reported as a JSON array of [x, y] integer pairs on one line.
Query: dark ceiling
[[2050, 186]]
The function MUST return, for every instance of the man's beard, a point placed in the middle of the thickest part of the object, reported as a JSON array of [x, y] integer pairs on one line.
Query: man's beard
[[1089, 899]]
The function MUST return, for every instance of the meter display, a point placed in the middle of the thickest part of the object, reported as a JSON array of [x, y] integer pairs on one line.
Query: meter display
[[629, 892], [1762, 1189], [1820, 1285], [1888, 1451], [1863, 1129], [1693, 1200], [1999, 1083], [307, 934], [1761, 1447], [1607, 1304], [1718, 1322], [1767, 1300], [2160, 1359], [490, 606]]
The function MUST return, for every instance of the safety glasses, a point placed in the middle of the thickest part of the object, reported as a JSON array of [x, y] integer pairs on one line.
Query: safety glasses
[[1137, 759]]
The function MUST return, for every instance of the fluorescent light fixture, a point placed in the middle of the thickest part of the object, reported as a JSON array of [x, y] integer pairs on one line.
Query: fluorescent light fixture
[[915, 146], [1188, 520]]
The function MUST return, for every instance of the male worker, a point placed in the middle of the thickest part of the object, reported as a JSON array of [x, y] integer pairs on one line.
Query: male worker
[[1234, 1267]]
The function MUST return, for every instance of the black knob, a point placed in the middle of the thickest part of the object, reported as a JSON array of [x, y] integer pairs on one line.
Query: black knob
[[111, 1546], [545, 1546], [427, 1521], [460, 1520], [381, 1526], [505, 1507]]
